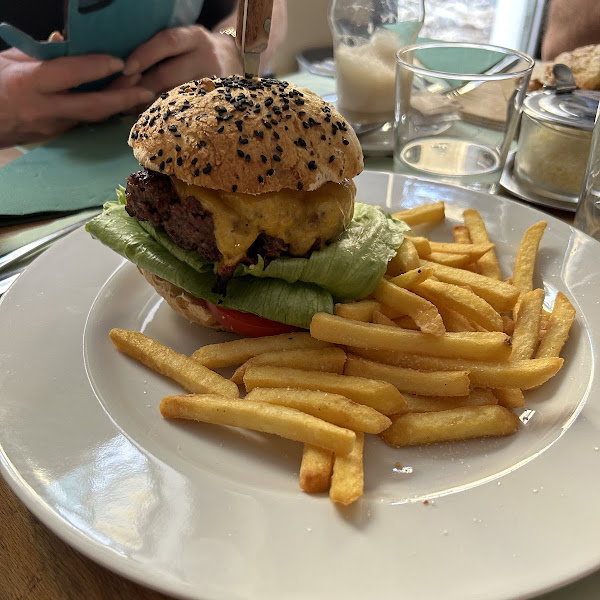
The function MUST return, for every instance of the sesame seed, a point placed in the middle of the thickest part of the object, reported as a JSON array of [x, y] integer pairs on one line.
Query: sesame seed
[[300, 186], [260, 179], [207, 169], [220, 130], [345, 141], [331, 158], [179, 161], [312, 165], [263, 158], [233, 188], [160, 152], [177, 148], [194, 161], [270, 172], [196, 172]]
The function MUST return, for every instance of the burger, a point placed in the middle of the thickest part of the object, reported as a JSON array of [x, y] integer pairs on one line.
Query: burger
[[243, 216]]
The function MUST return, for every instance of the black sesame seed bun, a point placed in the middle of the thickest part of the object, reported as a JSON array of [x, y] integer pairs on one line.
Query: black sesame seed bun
[[251, 136]]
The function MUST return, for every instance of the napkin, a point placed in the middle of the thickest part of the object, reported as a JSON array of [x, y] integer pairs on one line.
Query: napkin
[[78, 170]]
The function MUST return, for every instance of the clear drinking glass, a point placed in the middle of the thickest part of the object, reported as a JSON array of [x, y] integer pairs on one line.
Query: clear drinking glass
[[366, 36], [587, 216], [457, 109]]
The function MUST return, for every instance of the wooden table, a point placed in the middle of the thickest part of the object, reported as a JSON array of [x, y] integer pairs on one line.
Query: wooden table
[[36, 565]]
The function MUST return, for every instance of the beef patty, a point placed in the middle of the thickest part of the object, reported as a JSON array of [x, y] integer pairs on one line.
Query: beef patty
[[151, 197]]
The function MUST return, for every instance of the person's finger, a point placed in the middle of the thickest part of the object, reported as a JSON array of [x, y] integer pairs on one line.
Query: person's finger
[[56, 36], [97, 106], [68, 72], [124, 81], [175, 71], [165, 44]]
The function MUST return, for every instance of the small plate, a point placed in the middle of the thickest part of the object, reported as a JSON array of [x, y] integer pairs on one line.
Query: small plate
[[509, 182]]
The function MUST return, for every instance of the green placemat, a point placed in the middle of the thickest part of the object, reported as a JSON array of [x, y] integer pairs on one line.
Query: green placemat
[[77, 170]]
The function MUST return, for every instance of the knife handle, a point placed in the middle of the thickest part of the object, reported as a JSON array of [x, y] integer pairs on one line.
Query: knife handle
[[253, 25]]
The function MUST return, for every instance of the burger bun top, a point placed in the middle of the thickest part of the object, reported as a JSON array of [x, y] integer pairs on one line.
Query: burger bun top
[[246, 135]]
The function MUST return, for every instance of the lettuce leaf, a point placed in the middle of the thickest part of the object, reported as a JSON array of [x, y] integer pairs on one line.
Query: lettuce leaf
[[294, 304], [350, 267], [288, 290]]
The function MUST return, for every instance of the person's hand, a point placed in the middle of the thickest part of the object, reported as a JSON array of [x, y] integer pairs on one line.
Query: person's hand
[[177, 55], [35, 101]]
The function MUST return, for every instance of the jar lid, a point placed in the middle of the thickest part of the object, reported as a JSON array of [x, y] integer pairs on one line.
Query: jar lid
[[576, 109]]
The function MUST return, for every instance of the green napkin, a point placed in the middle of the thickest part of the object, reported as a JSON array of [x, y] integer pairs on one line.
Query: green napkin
[[77, 170]]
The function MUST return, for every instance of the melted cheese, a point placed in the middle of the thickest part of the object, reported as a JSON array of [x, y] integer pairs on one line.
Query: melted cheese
[[300, 218]]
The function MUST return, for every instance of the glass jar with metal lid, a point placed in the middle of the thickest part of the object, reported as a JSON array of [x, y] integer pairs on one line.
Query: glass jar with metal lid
[[554, 142]]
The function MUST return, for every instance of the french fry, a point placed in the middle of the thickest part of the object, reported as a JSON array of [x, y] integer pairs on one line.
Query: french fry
[[315, 469], [381, 319], [406, 259], [426, 213], [457, 261], [259, 416], [330, 360], [332, 408], [525, 260], [422, 244], [461, 234], [527, 325], [404, 321], [358, 311], [509, 397], [488, 264], [463, 423], [477, 397], [501, 295], [236, 352], [454, 321], [380, 395], [559, 325], [522, 374], [508, 325], [463, 301], [480, 346], [423, 312], [347, 480], [411, 381], [193, 376], [473, 251], [411, 278]]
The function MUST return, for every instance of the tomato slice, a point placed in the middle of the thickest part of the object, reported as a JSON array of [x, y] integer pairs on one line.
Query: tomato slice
[[247, 324]]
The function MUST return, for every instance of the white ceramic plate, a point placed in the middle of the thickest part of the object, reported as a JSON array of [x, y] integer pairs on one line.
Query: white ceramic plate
[[200, 511]]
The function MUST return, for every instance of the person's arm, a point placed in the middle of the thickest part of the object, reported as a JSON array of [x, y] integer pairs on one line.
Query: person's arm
[[174, 56], [36, 101], [569, 25]]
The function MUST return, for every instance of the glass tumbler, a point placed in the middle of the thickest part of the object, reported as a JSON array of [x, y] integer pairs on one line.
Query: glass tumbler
[[587, 216], [366, 35]]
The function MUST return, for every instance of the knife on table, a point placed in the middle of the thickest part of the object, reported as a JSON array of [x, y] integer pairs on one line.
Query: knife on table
[[252, 32]]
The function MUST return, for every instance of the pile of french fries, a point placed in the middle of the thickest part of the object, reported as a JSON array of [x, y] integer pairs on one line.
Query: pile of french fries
[[443, 350]]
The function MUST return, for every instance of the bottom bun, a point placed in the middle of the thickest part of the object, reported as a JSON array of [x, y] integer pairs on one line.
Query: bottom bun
[[181, 302]]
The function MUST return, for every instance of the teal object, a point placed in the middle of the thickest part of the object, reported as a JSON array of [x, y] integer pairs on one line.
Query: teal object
[[114, 27], [80, 169]]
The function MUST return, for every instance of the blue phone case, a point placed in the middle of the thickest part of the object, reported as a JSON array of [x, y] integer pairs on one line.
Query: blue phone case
[[114, 27]]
